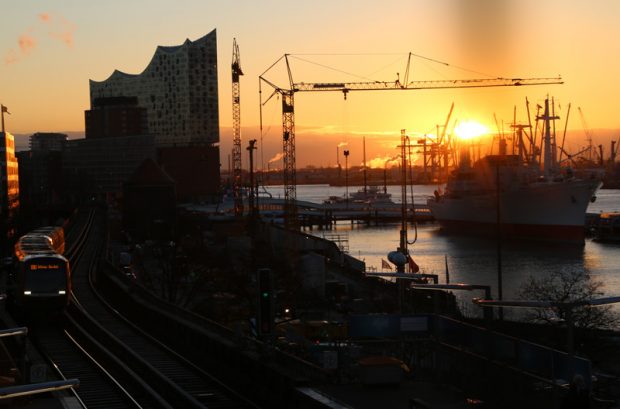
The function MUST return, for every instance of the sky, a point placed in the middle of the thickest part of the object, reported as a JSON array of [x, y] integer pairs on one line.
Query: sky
[[51, 48]]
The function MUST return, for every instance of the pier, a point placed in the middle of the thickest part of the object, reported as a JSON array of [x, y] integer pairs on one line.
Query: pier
[[327, 214]]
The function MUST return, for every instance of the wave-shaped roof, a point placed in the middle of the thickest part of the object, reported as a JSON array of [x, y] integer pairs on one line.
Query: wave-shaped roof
[[169, 50]]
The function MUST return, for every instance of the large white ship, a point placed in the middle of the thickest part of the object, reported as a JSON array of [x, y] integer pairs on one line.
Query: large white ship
[[514, 196]]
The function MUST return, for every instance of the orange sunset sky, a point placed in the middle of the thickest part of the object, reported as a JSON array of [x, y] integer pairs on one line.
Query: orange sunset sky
[[50, 49]]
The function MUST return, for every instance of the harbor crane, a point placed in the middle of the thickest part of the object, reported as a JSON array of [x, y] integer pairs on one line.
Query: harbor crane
[[287, 96], [586, 130], [236, 113]]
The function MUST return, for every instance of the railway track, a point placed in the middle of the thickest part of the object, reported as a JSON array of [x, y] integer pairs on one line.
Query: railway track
[[98, 388], [117, 364]]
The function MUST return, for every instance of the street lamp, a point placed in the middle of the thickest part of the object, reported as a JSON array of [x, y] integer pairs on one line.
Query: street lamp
[[346, 177], [252, 196]]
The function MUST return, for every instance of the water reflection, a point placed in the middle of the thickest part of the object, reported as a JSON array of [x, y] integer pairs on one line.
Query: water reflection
[[474, 259]]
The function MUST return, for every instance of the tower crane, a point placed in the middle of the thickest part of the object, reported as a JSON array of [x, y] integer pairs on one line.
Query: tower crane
[[288, 110], [443, 151], [236, 112], [586, 130]]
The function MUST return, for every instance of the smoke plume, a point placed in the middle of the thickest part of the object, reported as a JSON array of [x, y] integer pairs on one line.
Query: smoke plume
[[276, 158]]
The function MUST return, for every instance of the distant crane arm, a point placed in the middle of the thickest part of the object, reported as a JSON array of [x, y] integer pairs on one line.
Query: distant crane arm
[[414, 85]]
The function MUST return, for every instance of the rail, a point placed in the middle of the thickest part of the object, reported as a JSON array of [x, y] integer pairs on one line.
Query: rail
[[36, 388]]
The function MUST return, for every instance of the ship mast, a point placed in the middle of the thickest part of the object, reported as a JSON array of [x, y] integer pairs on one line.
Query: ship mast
[[549, 155], [365, 179]]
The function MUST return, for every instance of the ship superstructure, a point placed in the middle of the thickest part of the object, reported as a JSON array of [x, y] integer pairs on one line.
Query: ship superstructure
[[517, 197]]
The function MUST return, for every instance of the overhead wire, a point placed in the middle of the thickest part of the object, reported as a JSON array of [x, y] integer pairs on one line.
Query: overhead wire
[[364, 77]]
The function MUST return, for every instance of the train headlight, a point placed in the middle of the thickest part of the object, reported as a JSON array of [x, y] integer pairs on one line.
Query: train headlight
[[62, 292], [27, 292]]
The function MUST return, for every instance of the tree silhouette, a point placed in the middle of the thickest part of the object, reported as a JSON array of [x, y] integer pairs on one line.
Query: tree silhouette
[[568, 287]]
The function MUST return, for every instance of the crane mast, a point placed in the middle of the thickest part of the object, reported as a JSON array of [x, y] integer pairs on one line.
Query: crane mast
[[586, 130], [288, 148], [236, 112], [288, 111]]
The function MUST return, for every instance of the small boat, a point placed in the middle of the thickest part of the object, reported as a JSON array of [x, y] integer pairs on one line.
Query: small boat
[[608, 228], [372, 194], [335, 200], [367, 194]]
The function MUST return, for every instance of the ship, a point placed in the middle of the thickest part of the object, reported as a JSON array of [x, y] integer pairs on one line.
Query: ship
[[515, 195], [372, 194], [367, 194], [608, 227]]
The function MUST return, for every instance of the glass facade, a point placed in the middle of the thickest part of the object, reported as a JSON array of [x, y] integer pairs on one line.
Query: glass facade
[[9, 186], [179, 90]]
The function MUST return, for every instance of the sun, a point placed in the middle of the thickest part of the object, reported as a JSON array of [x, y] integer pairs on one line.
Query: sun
[[470, 129]]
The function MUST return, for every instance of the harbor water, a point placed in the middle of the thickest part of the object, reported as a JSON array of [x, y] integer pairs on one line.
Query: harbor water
[[473, 260]]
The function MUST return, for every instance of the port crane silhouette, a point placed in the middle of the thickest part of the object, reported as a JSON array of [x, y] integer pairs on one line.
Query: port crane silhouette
[[287, 95]]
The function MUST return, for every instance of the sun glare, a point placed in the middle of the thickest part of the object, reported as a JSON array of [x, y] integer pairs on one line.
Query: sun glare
[[470, 129]]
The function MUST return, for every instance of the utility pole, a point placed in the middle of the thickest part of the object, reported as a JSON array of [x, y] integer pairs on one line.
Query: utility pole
[[402, 248], [403, 215], [252, 197], [346, 177], [498, 226]]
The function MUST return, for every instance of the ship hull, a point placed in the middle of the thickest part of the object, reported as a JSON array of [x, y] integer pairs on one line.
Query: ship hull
[[544, 210]]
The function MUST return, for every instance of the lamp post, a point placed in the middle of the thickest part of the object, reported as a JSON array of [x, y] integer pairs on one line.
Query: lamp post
[[251, 193], [498, 225], [337, 156], [346, 177]]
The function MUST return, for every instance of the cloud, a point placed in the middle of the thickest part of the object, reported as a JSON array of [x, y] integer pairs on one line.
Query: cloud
[[26, 43], [58, 27], [63, 31], [11, 57], [64, 36]]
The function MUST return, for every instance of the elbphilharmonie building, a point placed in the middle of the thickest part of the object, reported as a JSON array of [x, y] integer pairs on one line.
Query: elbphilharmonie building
[[179, 90]]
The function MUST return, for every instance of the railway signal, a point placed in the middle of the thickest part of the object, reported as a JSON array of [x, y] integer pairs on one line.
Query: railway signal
[[265, 302]]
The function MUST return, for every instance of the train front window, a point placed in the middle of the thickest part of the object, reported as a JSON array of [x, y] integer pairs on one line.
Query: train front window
[[45, 281]]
